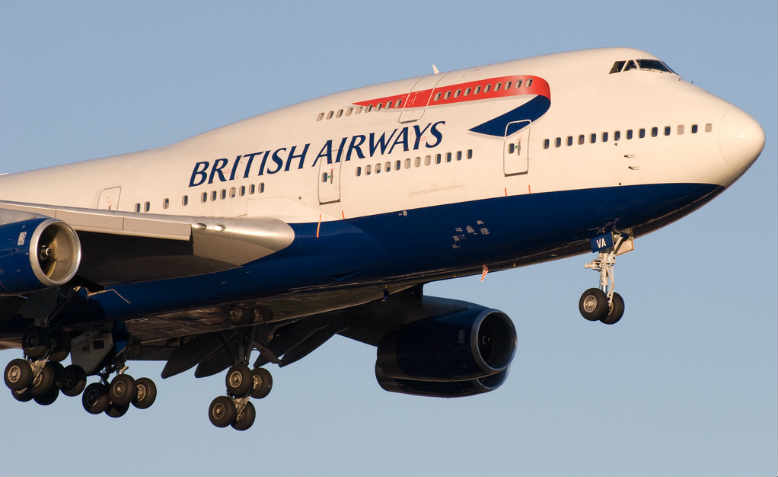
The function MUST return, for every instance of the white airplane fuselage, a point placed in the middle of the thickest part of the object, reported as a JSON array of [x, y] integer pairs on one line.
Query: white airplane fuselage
[[392, 181]]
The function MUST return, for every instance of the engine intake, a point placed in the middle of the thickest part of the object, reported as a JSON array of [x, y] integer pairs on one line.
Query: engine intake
[[450, 389], [37, 253], [466, 345]]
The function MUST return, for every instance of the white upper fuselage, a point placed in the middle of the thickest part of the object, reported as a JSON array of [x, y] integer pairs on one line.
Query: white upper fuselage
[[584, 100]]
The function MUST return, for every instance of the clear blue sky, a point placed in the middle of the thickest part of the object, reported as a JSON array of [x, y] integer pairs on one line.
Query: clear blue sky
[[685, 384]]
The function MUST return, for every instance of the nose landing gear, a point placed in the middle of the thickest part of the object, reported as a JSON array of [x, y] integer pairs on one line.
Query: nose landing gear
[[603, 303]]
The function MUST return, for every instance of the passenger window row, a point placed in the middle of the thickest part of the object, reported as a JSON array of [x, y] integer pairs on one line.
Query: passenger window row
[[428, 160], [629, 134], [232, 193]]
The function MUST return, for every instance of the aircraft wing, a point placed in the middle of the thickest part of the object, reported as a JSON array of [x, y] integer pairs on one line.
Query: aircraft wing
[[127, 247]]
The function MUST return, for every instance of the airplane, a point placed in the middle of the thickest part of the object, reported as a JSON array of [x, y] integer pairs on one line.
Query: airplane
[[255, 243]]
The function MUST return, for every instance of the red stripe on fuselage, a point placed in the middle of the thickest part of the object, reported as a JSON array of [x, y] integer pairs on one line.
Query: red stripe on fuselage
[[489, 88]]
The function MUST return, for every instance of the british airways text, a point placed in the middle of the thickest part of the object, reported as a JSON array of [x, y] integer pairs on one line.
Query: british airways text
[[359, 146]]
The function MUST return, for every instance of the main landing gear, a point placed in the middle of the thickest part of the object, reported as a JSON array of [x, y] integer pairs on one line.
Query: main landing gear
[[41, 377], [603, 303], [235, 409]]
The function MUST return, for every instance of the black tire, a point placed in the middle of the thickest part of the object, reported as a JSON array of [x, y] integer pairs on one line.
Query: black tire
[[615, 312], [18, 374], [48, 398], [222, 411], [238, 381], [122, 390], [116, 411], [245, 418], [22, 395], [95, 398], [145, 393], [593, 304], [43, 383], [73, 380], [261, 383]]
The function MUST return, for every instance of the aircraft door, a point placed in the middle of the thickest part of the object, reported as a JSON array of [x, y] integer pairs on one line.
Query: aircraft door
[[419, 97], [516, 147], [329, 182], [109, 198]]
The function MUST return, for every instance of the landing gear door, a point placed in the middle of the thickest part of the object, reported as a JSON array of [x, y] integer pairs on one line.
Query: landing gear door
[[516, 147], [329, 182], [419, 97], [109, 198]]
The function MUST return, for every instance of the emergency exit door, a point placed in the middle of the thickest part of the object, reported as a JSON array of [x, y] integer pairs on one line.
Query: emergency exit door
[[109, 198], [516, 147], [329, 182]]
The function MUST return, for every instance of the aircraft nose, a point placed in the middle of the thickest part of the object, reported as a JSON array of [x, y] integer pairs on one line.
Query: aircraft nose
[[741, 140]]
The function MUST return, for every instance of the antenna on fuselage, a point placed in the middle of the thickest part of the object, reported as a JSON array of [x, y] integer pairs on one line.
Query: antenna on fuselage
[[435, 69]]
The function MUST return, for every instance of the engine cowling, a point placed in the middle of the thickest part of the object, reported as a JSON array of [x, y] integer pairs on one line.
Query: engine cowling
[[463, 346], [449, 389], [36, 253]]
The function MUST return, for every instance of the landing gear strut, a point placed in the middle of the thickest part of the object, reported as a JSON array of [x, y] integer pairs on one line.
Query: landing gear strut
[[115, 398], [603, 303], [235, 409]]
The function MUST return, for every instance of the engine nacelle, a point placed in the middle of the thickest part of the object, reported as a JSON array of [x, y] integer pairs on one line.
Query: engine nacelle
[[466, 345], [449, 389], [37, 252]]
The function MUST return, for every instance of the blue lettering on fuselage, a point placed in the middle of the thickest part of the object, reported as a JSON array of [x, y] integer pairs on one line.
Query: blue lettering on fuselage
[[284, 159]]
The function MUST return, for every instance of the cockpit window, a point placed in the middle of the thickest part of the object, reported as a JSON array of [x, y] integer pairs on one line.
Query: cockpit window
[[617, 66], [654, 65], [630, 66]]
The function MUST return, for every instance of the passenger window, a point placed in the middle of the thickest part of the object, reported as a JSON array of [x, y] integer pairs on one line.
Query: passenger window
[[252, 188], [367, 169], [446, 96], [546, 143], [486, 88], [642, 133], [469, 153], [459, 155], [185, 200], [630, 66], [679, 129], [616, 135], [224, 194], [508, 85], [359, 171], [708, 127], [379, 106], [593, 138], [349, 111], [497, 86], [397, 165], [477, 89], [511, 148], [438, 158], [378, 168], [340, 113], [137, 207], [456, 93], [233, 192], [569, 140], [146, 206], [448, 157], [581, 139], [408, 163], [667, 130], [467, 91], [261, 187], [427, 160], [605, 137], [214, 194], [398, 103], [203, 197], [329, 115], [320, 117], [166, 203], [654, 131], [417, 161], [629, 133], [388, 166], [558, 142], [437, 96], [617, 67], [694, 129], [518, 84], [529, 82]]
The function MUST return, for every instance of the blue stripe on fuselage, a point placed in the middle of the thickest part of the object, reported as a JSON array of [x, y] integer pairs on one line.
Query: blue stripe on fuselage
[[448, 237]]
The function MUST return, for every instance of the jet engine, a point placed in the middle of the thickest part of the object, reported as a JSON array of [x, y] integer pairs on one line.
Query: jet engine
[[36, 252], [457, 354]]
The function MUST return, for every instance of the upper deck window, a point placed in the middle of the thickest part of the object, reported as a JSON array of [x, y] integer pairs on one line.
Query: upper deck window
[[655, 65]]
